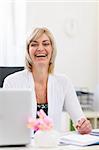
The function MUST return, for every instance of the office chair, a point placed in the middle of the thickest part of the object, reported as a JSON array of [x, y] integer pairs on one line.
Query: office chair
[[5, 71]]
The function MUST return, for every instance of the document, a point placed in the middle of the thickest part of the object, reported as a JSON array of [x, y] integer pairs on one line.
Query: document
[[95, 132], [78, 139]]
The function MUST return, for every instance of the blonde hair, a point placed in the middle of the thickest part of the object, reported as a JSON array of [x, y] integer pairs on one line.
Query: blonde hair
[[34, 36]]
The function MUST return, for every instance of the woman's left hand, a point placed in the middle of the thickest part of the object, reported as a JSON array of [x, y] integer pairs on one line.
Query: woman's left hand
[[84, 126]]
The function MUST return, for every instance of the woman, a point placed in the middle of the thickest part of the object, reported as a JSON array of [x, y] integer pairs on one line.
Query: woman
[[51, 92]]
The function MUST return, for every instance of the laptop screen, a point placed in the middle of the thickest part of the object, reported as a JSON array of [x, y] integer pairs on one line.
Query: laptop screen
[[15, 108]]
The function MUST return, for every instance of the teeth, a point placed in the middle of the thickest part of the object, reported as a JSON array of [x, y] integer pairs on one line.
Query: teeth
[[41, 55]]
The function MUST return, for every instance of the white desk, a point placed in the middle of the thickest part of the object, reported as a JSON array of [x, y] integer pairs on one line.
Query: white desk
[[61, 147], [68, 147], [58, 148]]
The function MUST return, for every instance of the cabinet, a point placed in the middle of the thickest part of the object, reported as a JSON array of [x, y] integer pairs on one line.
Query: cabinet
[[93, 116], [66, 124]]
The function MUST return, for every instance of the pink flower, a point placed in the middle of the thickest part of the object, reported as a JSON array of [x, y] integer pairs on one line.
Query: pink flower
[[42, 123]]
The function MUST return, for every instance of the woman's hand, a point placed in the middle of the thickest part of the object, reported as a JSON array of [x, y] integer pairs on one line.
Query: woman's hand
[[84, 126]]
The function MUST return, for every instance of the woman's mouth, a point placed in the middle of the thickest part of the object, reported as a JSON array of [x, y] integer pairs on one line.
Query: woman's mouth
[[41, 55]]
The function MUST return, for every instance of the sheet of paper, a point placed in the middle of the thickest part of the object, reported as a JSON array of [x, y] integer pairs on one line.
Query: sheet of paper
[[78, 139], [95, 132]]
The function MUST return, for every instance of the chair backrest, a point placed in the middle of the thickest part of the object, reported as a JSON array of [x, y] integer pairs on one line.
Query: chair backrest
[[5, 71]]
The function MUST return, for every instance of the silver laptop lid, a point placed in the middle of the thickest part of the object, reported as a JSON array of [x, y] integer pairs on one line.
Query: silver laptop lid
[[15, 108]]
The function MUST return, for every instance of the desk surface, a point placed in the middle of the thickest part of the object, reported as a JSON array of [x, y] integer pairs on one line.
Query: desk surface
[[61, 147], [67, 147]]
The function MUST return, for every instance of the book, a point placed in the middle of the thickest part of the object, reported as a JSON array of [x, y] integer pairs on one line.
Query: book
[[95, 132], [77, 139]]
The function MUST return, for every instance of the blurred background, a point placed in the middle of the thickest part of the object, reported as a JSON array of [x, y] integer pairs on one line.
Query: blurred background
[[75, 25]]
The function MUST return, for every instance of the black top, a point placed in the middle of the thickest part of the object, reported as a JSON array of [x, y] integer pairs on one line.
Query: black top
[[44, 107]]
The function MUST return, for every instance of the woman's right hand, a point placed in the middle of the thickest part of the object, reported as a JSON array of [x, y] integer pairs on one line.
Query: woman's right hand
[[84, 126]]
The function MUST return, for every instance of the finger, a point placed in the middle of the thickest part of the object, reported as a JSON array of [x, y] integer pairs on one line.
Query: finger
[[41, 114], [85, 124], [80, 122], [85, 129]]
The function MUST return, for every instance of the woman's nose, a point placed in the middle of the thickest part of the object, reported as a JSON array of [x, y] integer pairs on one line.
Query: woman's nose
[[40, 47]]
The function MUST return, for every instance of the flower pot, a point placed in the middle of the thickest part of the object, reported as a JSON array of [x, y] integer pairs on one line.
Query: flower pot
[[46, 138]]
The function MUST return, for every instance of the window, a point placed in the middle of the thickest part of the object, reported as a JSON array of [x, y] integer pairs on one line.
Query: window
[[12, 32]]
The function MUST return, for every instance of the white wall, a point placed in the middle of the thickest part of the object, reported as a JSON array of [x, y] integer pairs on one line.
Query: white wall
[[98, 42], [76, 54]]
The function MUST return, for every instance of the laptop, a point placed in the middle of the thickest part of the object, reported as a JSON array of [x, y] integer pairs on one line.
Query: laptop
[[15, 109]]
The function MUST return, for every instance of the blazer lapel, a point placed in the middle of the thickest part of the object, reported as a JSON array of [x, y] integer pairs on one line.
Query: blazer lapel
[[32, 87], [52, 93]]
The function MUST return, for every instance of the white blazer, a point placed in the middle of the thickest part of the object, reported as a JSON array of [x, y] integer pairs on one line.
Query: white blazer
[[61, 95]]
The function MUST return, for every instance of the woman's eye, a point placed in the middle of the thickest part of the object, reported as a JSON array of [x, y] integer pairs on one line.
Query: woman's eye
[[33, 45], [46, 44]]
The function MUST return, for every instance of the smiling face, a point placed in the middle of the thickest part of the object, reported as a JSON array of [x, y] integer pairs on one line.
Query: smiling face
[[40, 50], [40, 41]]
